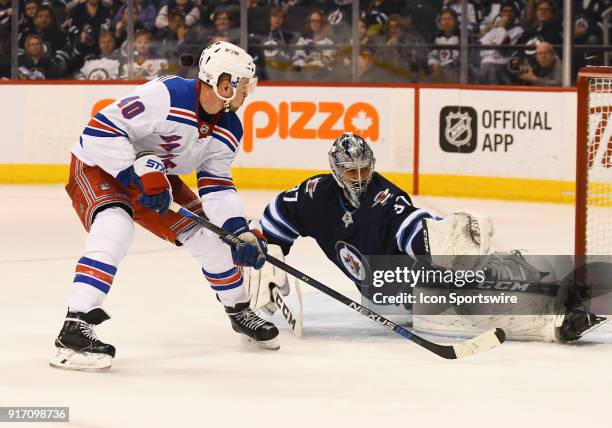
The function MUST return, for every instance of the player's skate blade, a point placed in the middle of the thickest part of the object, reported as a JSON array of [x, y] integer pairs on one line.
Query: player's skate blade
[[257, 330], [68, 359], [78, 348], [270, 345]]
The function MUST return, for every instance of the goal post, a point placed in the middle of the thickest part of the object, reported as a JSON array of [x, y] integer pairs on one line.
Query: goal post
[[593, 232]]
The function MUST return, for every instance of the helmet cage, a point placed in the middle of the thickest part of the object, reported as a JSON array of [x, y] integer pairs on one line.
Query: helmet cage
[[351, 152]]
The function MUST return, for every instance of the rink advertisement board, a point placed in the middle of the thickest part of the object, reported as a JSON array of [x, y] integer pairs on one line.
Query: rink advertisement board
[[486, 143], [475, 142], [287, 130], [293, 128]]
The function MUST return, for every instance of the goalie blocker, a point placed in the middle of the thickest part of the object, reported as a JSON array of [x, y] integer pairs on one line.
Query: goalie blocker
[[551, 303]]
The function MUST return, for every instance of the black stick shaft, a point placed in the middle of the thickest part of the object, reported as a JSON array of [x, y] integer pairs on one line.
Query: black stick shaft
[[442, 350]]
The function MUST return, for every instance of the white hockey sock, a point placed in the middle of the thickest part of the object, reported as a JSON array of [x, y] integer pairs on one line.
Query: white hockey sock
[[107, 244], [217, 266]]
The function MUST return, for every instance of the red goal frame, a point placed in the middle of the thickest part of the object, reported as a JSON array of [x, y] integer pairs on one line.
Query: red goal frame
[[582, 147]]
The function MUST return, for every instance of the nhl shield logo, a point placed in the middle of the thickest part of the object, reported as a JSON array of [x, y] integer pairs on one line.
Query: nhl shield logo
[[458, 129]]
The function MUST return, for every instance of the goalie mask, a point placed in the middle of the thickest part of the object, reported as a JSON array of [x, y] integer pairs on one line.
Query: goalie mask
[[352, 164], [224, 57]]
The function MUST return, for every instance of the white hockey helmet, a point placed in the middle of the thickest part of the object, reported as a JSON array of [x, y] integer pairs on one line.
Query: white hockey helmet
[[224, 57]]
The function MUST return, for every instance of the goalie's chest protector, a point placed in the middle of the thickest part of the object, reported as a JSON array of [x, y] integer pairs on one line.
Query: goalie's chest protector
[[345, 233]]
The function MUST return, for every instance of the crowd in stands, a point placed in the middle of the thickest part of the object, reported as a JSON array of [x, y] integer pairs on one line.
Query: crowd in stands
[[511, 41]]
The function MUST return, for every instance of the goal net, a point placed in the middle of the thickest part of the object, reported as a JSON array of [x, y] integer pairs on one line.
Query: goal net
[[594, 162]]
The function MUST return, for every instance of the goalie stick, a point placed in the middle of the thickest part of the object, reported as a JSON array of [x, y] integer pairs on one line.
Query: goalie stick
[[295, 322], [483, 342]]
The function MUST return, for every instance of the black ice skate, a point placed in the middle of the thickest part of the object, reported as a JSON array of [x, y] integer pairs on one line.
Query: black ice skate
[[78, 347], [577, 323], [256, 329]]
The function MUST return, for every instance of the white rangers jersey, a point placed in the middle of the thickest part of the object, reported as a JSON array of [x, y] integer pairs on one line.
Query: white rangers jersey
[[164, 117]]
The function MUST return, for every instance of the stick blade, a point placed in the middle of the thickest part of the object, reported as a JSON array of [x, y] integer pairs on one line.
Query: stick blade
[[481, 343]]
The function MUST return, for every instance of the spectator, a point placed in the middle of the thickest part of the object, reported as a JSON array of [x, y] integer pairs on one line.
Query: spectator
[[546, 69], [473, 13], [5, 54], [223, 28], [147, 65], [90, 16], [314, 55], [591, 10], [56, 44], [87, 19], [423, 16], [368, 70], [146, 14], [6, 10], [69, 5], [444, 63], [378, 13], [232, 7], [105, 65], [170, 39], [29, 12], [275, 55], [345, 56], [35, 65], [119, 27], [506, 31], [586, 32], [339, 15], [545, 28], [187, 7], [493, 10], [190, 50], [405, 53]]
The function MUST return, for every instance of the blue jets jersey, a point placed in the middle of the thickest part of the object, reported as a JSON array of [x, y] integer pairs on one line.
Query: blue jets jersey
[[164, 117], [386, 223]]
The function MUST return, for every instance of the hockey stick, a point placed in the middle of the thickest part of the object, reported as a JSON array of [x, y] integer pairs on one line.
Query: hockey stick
[[483, 342], [295, 322]]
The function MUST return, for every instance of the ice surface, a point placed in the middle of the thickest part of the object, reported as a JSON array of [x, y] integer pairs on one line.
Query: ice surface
[[179, 364]]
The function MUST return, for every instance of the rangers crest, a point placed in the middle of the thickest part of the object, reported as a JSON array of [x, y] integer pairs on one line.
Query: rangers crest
[[458, 131], [382, 197], [311, 186]]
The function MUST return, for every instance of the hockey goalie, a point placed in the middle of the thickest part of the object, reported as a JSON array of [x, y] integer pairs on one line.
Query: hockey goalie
[[354, 213]]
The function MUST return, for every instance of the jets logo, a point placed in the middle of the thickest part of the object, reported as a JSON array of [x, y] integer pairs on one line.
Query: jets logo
[[352, 262], [204, 128], [311, 186], [382, 197]]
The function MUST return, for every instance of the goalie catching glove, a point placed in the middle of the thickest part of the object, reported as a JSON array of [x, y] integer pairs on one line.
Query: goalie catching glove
[[260, 283]]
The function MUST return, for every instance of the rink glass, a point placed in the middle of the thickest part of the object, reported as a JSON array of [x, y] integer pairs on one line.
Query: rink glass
[[401, 50]]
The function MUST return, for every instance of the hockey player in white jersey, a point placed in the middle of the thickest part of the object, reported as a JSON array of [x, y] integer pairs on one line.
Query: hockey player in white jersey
[[125, 168]]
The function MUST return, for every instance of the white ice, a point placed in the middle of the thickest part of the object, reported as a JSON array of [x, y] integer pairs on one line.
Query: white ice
[[179, 364]]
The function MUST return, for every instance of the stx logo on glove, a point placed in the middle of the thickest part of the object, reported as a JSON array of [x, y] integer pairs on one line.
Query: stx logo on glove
[[153, 164]]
